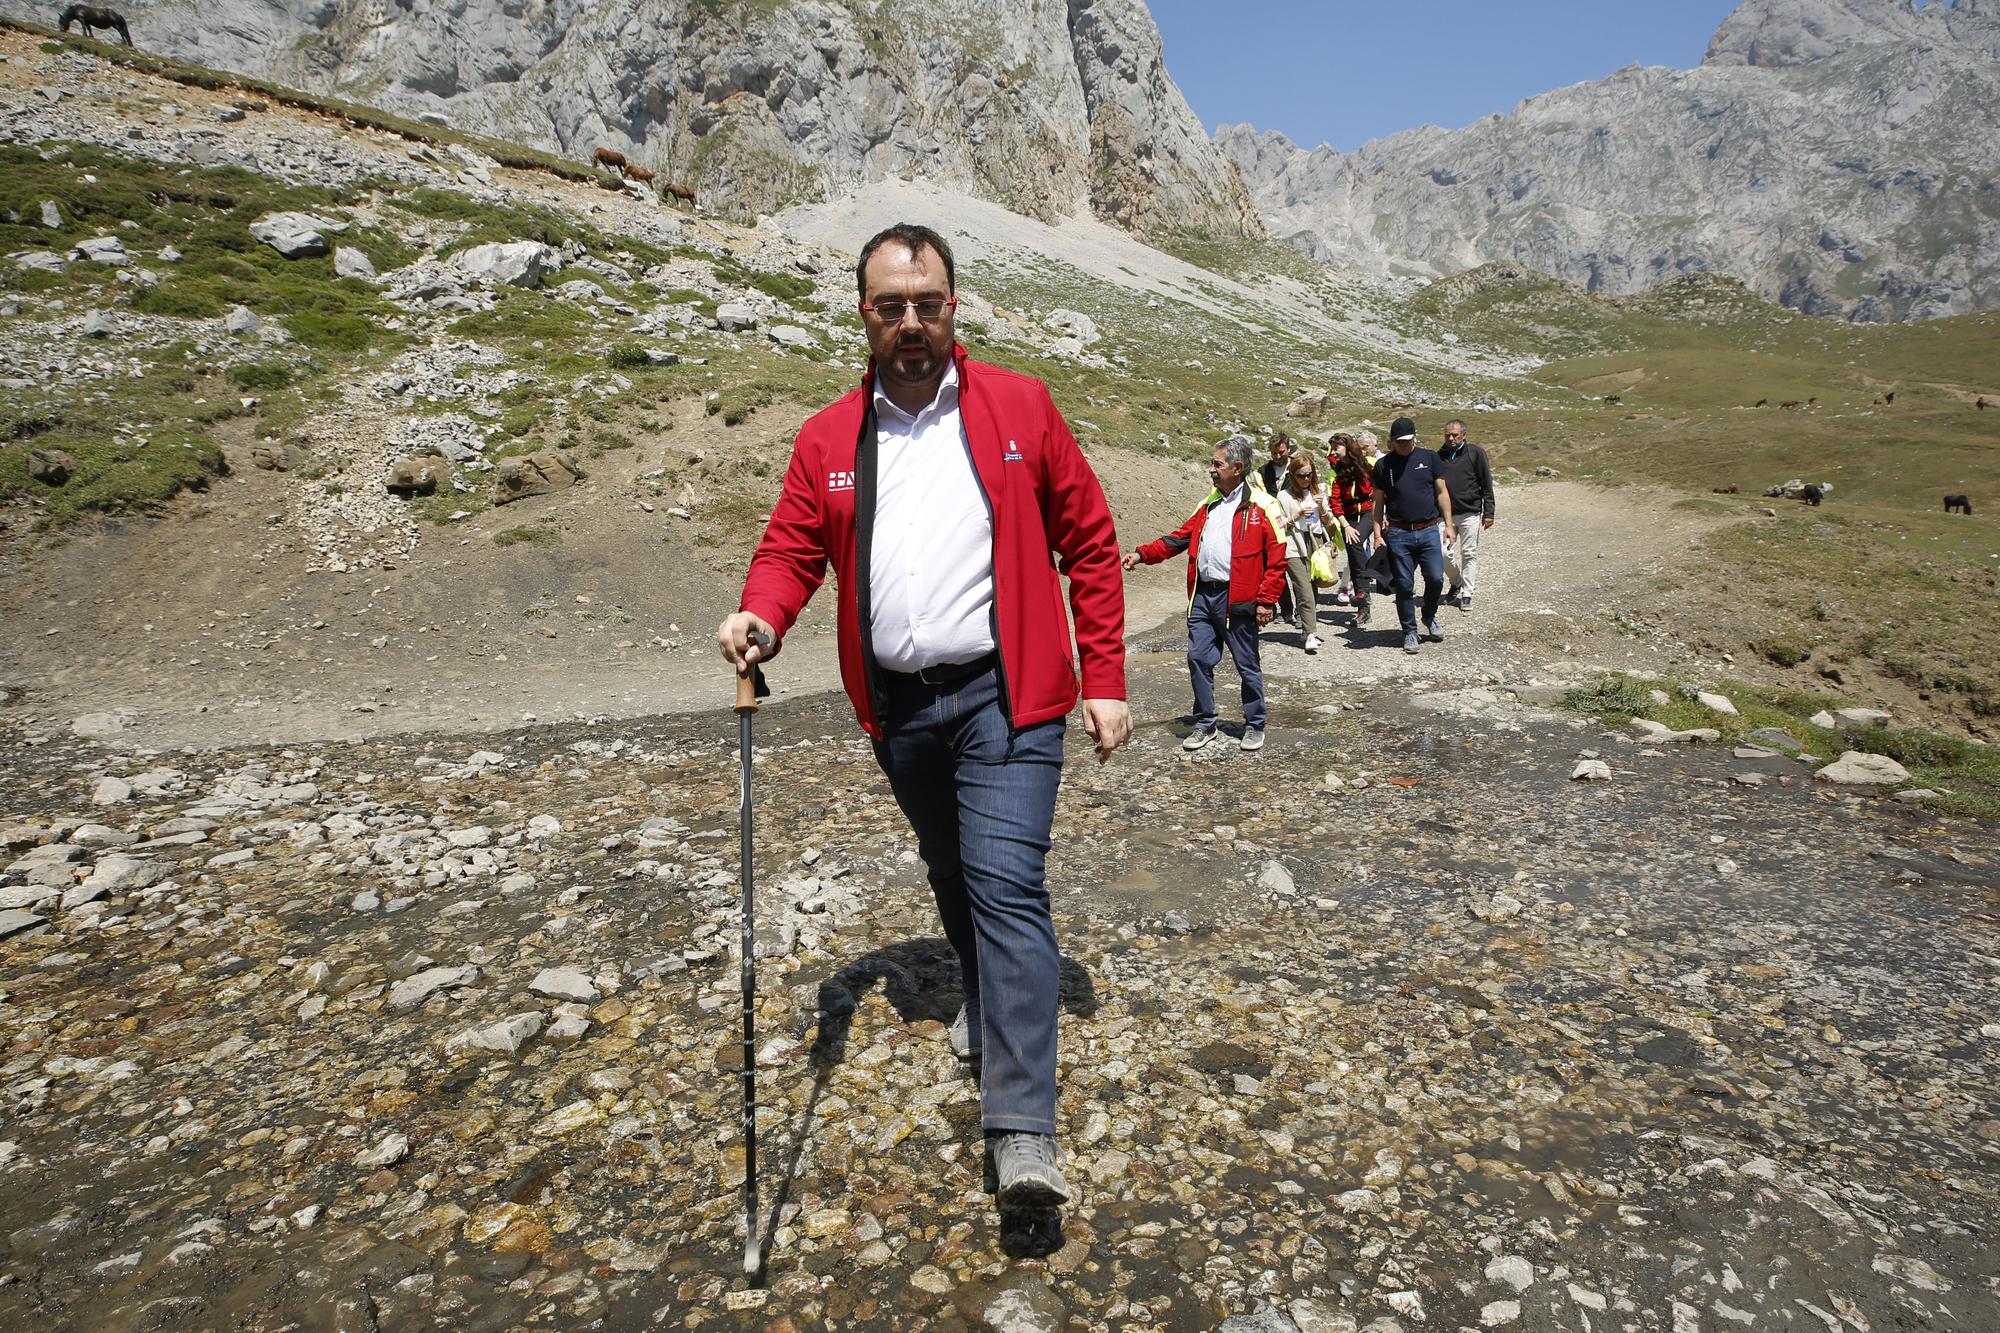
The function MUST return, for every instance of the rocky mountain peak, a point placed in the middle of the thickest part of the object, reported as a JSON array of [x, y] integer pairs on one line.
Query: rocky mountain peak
[[1049, 109], [1777, 33]]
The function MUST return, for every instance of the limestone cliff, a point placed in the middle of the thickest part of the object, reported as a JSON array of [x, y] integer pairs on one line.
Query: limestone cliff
[[1841, 156], [1049, 106]]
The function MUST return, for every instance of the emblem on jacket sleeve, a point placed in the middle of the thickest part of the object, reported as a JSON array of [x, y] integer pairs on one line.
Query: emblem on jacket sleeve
[[840, 481]]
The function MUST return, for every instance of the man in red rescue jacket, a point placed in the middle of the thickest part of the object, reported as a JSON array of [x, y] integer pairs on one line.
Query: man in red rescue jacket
[[949, 495], [1235, 544]]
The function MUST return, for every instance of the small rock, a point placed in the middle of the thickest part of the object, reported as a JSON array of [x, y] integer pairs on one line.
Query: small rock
[[391, 1150], [349, 262], [412, 991], [1513, 1270], [1823, 720], [1499, 1314], [52, 217], [564, 983], [295, 235], [110, 791], [505, 1035], [242, 321], [1591, 770], [735, 317], [510, 263], [51, 467], [100, 324], [1855, 768], [1861, 717], [1716, 703], [1274, 878]]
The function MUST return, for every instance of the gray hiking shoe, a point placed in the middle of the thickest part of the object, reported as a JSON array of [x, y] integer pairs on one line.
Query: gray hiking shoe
[[1199, 737], [1253, 738], [1022, 1169], [1410, 642], [1432, 632], [968, 1037]]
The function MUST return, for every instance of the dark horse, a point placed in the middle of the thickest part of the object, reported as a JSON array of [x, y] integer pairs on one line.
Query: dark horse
[[91, 16]]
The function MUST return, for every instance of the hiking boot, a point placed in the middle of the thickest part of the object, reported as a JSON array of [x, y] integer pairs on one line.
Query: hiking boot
[[1451, 596], [1022, 1170], [1199, 737], [968, 1038], [1410, 642], [1361, 609], [1253, 738], [1432, 632], [1465, 601], [1312, 643]]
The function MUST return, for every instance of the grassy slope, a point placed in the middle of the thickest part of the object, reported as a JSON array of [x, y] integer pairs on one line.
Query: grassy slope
[[1877, 584]]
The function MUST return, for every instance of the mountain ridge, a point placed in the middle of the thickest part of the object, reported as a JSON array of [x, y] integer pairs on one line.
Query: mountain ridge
[[1830, 163]]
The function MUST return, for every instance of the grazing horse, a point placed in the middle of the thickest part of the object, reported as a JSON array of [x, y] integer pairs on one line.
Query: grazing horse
[[1890, 398], [1961, 504], [1791, 405], [1981, 404], [1763, 402], [1812, 495], [634, 172], [91, 16], [608, 157], [684, 193]]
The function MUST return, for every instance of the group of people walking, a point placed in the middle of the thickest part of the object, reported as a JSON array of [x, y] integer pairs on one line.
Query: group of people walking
[[1265, 540]]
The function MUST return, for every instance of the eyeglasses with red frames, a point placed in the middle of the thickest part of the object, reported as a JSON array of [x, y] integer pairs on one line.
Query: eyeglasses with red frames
[[892, 312]]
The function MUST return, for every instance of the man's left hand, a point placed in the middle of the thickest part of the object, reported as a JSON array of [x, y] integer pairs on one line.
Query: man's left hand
[[1109, 723], [1486, 522], [1265, 614]]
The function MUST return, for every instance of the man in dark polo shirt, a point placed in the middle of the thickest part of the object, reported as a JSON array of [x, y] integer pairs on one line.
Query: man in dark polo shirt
[[1411, 506]]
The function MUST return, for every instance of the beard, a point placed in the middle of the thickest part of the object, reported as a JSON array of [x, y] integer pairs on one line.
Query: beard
[[913, 363]]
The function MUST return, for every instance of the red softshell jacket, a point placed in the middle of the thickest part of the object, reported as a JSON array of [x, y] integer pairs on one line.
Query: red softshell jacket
[[1256, 552], [1045, 502]]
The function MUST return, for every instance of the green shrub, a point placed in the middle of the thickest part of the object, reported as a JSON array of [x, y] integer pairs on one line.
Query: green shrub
[[1785, 650], [784, 286], [1609, 696], [626, 356], [260, 376]]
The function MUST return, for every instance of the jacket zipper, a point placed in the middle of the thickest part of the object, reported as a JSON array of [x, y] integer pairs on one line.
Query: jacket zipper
[[993, 527]]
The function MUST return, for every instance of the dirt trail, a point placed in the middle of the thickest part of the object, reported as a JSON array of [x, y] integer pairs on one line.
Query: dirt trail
[[207, 631]]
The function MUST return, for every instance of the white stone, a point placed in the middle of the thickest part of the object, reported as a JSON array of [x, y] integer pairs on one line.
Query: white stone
[[296, 235], [791, 335], [100, 726], [1513, 1270], [565, 983], [122, 874], [1591, 770], [1823, 720], [510, 263], [349, 262], [506, 1035], [1856, 768], [1716, 703], [242, 320], [388, 1152], [110, 791], [1499, 1314], [1861, 717], [735, 317], [412, 991], [1274, 878], [103, 250]]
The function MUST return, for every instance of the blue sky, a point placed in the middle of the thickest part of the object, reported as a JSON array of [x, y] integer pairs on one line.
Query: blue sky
[[1346, 71]]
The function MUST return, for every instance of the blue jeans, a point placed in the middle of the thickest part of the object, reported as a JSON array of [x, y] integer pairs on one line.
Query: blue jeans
[[1406, 551], [981, 797], [1209, 626]]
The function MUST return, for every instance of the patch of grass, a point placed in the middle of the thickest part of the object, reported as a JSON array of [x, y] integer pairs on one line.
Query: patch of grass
[[736, 404], [1785, 650], [786, 287], [528, 534], [112, 475], [261, 376], [626, 356], [1966, 772], [487, 221]]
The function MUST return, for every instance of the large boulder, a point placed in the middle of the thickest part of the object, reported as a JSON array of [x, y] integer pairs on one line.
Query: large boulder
[[1856, 768], [510, 263], [1310, 405], [735, 317], [535, 474], [349, 262], [102, 250], [420, 474], [296, 235], [1074, 323]]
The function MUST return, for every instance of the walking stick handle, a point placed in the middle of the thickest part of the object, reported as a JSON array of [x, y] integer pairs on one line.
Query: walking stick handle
[[750, 686]]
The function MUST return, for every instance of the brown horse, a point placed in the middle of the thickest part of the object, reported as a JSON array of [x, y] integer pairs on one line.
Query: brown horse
[[684, 193], [634, 172], [91, 16], [608, 157]]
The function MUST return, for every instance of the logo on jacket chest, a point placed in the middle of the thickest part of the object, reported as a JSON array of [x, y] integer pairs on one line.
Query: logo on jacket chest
[[1013, 454], [840, 481]]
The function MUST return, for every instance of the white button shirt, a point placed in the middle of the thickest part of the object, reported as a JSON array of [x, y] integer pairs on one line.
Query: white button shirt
[[1217, 540], [930, 557]]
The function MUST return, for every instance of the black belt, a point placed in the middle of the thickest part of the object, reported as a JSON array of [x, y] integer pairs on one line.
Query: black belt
[[1414, 527], [944, 674]]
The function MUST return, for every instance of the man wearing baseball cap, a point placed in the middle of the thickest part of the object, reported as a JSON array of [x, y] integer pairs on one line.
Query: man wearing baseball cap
[[1411, 503]]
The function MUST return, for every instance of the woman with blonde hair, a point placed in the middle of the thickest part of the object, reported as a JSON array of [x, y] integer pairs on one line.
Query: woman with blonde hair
[[1302, 500]]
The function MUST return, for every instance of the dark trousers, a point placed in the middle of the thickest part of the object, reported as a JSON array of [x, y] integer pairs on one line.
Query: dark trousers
[[981, 797], [1408, 550], [1210, 625]]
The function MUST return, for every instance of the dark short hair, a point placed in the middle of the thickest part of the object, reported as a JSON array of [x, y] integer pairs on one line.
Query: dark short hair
[[917, 237]]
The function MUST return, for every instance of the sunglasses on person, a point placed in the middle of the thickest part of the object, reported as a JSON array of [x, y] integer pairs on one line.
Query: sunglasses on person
[[892, 312]]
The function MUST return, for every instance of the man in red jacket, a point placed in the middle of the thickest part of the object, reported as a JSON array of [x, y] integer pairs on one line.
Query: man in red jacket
[[1235, 544], [944, 492]]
